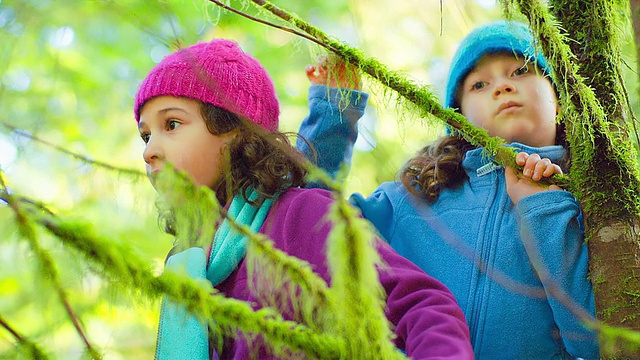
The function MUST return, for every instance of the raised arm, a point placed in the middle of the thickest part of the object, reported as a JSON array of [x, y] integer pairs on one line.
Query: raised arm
[[335, 106]]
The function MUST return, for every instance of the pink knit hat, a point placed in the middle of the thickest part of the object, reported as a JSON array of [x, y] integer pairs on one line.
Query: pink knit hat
[[218, 73]]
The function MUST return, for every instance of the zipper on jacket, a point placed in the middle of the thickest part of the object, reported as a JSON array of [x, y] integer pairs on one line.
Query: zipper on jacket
[[488, 168], [487, 236]]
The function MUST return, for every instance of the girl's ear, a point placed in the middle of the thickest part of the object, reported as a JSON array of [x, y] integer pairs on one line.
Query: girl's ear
[[230, 135]]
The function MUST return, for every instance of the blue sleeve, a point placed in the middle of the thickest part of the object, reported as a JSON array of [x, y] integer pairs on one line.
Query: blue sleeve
[[552, 234], [180, 334], [331, 126], [378, 209]]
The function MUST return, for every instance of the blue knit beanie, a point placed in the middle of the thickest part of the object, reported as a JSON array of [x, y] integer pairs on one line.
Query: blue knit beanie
[[498, 36]]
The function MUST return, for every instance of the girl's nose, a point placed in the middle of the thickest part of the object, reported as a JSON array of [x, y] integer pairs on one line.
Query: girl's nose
[[151, 152], [504, 86]]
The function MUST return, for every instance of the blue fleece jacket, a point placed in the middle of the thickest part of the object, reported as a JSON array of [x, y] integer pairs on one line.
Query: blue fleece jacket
[[506, 265]]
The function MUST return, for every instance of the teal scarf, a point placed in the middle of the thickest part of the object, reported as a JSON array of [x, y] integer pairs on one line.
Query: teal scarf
[[180, 334], [229, 246]]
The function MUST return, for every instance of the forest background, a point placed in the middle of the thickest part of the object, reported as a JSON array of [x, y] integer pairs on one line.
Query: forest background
[[68, 74]]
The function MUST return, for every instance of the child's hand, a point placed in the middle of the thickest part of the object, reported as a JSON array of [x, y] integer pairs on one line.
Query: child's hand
[[534, 169], [332, 71]]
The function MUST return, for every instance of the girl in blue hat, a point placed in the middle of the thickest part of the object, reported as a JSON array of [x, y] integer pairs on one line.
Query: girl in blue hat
[[508, 248]]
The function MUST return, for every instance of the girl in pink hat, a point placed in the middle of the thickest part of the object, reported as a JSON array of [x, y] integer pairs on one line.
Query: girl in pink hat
[[210, 110]]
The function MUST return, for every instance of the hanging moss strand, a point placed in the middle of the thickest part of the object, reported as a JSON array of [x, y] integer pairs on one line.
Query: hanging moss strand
[[352, 259]]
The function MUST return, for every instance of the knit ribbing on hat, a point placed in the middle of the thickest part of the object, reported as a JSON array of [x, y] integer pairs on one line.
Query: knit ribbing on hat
[[499, 36], [218, 73]]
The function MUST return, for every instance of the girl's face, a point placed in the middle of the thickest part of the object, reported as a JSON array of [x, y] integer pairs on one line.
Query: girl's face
[[510, 99], [175, 132]]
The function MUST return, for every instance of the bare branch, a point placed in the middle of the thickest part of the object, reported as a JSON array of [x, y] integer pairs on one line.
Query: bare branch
[[76, 156], [283, 28], [35, 351]]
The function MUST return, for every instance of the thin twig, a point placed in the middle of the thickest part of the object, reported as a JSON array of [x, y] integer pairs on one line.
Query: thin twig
[[283, 28], [36, 352], [10, 329], [84, 159], [4, 197]]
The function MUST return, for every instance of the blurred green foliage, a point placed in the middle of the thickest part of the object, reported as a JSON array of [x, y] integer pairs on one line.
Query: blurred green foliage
[[68, 73]]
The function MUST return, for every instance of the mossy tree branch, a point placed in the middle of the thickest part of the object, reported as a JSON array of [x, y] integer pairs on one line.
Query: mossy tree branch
[[120, 263], [47, 266], [424, 101]]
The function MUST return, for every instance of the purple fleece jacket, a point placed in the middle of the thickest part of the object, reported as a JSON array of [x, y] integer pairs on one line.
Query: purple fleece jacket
[[428, 322]]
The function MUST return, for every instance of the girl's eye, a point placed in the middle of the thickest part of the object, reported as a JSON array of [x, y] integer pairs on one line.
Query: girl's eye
[[521, 71], [145, 137], [172, 124], [478, 85]]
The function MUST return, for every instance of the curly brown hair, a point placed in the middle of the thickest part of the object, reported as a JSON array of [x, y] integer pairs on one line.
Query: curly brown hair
[[438, 166], [254, 158]]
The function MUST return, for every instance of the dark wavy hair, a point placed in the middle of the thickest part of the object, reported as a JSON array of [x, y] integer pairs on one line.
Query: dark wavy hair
[[438, 166], [255, 158]]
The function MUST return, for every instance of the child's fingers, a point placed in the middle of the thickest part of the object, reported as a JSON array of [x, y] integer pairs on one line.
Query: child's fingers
[[521, 158], [535, 168], [310, 70], [551, 169], [540, 168], [316, 75], [545, 168], [332, 71], [530, 164]]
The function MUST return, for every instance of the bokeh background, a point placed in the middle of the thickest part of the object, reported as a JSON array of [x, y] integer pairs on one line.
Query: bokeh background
[[68, 73]]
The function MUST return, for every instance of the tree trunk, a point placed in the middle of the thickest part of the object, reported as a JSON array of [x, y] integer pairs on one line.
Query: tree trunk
[[604, 176]]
